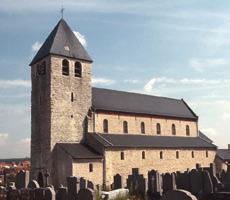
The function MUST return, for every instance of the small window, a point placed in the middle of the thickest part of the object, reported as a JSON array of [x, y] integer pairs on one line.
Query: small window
[[65, 67], [193, 154], [122, 156], [78, 69], [173, 129], [90, 167], [158, 129], [142, 127], [105, 126], [177, 154], [161, 154], [72, 97], [187, 130], [143, 154], [125, 126], [206, 154]]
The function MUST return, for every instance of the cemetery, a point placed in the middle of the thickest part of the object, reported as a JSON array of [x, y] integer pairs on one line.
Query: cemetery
[[196, 184]]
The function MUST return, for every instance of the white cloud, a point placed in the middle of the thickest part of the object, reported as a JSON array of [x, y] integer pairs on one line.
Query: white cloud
[[201, 65], [150, 85], [36, 46], [102, 81], [15, 83], [3, 138], [25, 141], [209, 131], [132, 81], [81, 38], [226, 116]]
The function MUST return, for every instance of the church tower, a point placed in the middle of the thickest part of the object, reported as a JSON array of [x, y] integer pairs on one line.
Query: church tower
[[61, 95]]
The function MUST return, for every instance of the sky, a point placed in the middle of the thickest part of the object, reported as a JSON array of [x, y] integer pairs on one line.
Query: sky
[[177, 49]]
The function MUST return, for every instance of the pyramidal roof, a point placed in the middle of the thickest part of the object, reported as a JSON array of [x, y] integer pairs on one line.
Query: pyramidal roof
[[62, 41]]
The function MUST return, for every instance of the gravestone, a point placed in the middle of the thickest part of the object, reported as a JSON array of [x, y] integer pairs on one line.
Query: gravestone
[[136, 183], [183, 181], [196, 182], [50, 194], [40, 179], [86, 194], [198, 166], [90, 185], [154, 184], [13, 194], [61, 194], [3, 193], [226, 180], [25, 194], [83, 183], [115, 194], [39, 194], [73, 187], [178, 195], [117, 181], [33, 184], [207, 183], [47, 175], [169, 182], [22, 179]]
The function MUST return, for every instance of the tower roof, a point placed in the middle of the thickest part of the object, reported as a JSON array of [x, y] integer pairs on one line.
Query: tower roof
[[62, 41]]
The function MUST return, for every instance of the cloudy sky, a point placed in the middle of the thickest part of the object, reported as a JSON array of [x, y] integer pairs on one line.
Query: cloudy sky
[[176, 48]]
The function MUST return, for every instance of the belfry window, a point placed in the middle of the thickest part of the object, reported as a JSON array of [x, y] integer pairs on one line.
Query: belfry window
[[161, 155], [78, 69], [122, 156], [143, 155], [65, 67], [90, 167], [177, 154], [125, 126], [158, 129], [187, 130], [142, 127], [105, 126], [173, 129]]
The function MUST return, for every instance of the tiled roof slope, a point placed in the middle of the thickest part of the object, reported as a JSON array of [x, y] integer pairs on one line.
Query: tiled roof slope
[[224, 154], [119, 101], [62, 41], [147, 141]]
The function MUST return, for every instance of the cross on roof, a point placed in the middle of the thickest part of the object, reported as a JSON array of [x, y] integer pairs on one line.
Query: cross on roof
[[62, 11]]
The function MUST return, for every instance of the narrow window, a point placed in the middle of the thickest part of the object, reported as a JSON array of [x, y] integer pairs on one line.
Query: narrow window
[[72, 97], [142, 127], [173, 129], [125, 126], [206, 154], [187, 130], [161, 154], [158, 129], [65, 67], [122, 156], [90, 167], [105, 126], [143, 155], [193, 154], [177, 154], [78, 69]]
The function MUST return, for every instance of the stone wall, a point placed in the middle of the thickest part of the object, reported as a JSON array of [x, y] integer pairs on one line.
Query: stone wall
[[115, 122], [81, 169], [169, 163]]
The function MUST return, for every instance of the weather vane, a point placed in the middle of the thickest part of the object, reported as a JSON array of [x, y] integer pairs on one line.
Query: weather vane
[[62, 11]]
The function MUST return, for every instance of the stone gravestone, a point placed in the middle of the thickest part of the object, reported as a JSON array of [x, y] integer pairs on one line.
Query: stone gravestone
[[215, 180], [33, 184], [226, 180], [73, 187], [117, 181], [22, 179], [183, 181], [62, 194], [40, 179], [86, 194], [178, 195], [83, 183], [154, 184], [39, 194], [50, 194], [25, 194], [207, 183], [90, 185], [169, 182], [136, 183], [196, 182], [3, 193], [13, 194]]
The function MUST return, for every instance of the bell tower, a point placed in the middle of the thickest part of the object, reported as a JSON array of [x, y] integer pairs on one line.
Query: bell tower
[[61, 95]]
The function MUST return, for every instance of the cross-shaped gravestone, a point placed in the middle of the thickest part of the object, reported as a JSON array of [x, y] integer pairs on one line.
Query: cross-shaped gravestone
[[73, 187], [61, 194], [154, 184], [47, 175]]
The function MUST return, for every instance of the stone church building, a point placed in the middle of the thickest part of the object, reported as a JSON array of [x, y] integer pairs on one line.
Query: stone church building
[[79, 130]]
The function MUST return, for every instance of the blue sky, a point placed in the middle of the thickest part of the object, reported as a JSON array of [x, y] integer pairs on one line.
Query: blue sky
[[176, 48]]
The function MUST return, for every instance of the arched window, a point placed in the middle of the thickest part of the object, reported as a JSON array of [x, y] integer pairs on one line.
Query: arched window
[[143, 155], [187, 130], [158, 129], [72, 97], [173, 129], [125, 126], [161, 154], [90, 167], [142, 127], [122, 156], [177, 154], [78, 69], [206, 154], [192, 154], [105, 126], [65, 67]]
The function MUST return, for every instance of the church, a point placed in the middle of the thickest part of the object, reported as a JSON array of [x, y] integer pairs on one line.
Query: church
[[96, 133]]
